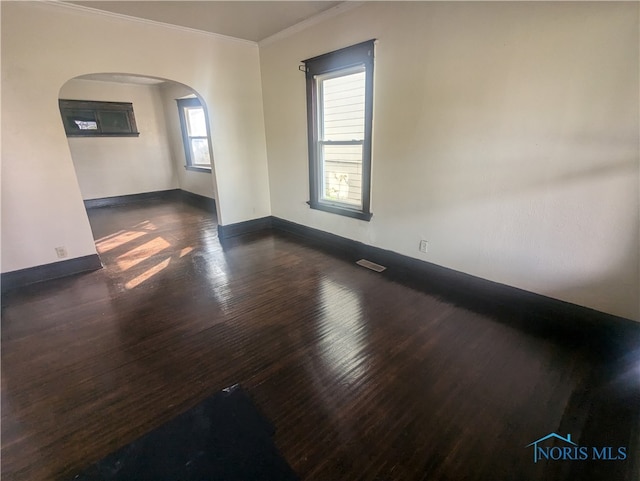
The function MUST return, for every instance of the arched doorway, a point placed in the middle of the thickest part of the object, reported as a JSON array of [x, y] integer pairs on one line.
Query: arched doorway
[[146, 156], [155, 160]]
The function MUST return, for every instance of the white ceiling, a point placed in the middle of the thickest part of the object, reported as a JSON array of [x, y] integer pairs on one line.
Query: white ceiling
[[249, 20]]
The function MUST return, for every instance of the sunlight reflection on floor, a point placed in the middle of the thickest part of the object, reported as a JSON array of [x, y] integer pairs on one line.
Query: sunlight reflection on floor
[[111, 242], [138, 254], [141, 253], [343, 335], [136, 281]]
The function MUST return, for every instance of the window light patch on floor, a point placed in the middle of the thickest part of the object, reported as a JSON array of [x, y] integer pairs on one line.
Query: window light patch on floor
[[141, 253], [136, 281], [111, 242]]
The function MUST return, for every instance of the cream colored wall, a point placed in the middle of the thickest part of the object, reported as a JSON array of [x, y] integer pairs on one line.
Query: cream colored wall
[[111, 166], [45, 45], [506, 134], [201, 183]]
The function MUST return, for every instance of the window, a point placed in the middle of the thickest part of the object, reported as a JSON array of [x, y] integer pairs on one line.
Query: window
[[339, 119], [88, 118], [195, 135]]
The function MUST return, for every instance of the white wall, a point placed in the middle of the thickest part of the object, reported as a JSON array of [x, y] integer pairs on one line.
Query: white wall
[[201, 183], [111, 166], [43, 46], [506, 134]]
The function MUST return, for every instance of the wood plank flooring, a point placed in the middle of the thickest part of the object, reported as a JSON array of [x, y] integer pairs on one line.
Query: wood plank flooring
[[365, 377]]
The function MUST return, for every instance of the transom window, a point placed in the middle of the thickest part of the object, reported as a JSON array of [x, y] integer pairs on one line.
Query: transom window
[[89, 118], [195, 135], [339, 115]]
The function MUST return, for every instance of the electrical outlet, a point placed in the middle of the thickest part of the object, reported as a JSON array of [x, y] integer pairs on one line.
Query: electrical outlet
[[61, 252], [424, 246]]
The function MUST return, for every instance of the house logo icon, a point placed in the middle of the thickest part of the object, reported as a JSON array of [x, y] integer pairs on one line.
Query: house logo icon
[[536, 450], [564, 449]]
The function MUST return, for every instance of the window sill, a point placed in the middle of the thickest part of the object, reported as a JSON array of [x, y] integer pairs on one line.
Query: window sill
[[193, 168], [345, 211]]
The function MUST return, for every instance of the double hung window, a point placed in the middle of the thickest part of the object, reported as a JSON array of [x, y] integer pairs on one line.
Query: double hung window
[[195, 135], [339, 116]]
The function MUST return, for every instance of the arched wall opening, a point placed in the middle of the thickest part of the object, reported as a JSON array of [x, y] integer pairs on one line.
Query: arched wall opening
[[42, 205], [153, 161], [149, 164]]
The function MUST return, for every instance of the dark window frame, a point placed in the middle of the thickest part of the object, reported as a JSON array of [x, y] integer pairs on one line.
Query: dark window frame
[[96, 111], [361, 54], [186, 138]]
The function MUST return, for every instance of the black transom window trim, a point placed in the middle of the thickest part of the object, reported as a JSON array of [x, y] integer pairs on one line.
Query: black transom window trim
[[76, 112]]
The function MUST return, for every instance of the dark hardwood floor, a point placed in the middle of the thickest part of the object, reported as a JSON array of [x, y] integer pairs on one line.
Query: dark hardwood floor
[[366, 376]]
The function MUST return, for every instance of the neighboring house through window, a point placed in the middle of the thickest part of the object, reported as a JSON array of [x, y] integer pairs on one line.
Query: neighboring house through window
[[339, 117], [195, 135]]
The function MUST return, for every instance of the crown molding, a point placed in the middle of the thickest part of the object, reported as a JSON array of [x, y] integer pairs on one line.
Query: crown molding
[[120, 16], [321, 17]]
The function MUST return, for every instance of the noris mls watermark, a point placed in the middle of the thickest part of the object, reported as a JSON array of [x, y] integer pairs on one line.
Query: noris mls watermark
[[570, 451]]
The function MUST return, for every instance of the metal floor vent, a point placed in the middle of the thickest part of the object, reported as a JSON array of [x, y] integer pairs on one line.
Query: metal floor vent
[[370, 265]]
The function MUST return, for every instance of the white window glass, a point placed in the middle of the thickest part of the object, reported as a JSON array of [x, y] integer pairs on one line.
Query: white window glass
[[195, 134], [341, 98], [196, 124], [200, 152]]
